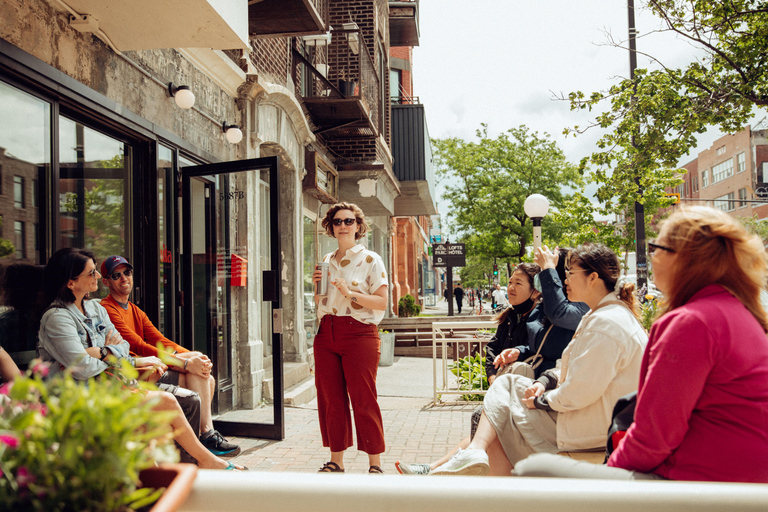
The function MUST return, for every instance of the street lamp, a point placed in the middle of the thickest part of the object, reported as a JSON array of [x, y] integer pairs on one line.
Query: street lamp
[[536, 207]]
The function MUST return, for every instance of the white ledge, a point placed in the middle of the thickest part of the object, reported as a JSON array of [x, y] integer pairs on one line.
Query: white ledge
[[312, 492]]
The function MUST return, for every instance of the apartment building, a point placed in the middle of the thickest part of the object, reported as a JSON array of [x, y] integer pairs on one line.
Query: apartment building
[[731, 175]]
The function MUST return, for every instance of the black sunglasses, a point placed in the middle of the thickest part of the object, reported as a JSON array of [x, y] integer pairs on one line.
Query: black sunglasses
[[653, 246], [347, 222], [115, 276]]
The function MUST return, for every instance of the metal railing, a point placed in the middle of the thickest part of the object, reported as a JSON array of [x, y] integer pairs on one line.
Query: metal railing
[[442, 333], [349, 74]]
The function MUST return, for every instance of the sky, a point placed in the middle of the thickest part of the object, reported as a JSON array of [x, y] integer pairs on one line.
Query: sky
[[503, 63]]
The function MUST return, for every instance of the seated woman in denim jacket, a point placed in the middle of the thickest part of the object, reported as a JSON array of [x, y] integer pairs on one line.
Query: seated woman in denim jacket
[[77, 334]]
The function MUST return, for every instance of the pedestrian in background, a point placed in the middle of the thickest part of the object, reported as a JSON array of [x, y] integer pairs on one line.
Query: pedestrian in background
[[458, 292], [347, 345]]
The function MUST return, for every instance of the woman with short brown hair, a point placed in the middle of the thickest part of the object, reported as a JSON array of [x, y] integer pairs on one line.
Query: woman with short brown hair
[[347, 345]]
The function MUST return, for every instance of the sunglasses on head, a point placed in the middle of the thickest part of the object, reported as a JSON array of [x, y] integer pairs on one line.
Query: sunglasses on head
[[115, 276], [347, 222]]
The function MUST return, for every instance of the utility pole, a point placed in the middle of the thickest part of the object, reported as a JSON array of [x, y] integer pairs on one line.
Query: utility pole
[[640, 256]]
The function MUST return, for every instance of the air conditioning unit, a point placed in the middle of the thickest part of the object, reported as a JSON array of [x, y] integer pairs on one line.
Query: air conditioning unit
[[321, 179]]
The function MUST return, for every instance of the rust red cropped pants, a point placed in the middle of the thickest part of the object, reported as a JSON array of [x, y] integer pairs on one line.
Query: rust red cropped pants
[[346, 361]]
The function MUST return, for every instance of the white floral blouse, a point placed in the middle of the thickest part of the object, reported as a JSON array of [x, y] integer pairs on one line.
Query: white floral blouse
[[364, 272]]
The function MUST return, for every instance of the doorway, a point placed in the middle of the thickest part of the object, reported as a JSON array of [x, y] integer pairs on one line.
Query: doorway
[[231, 257]]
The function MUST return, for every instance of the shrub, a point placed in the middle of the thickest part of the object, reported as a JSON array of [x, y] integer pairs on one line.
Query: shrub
[[407, 306], [470, 372], [68, 445]]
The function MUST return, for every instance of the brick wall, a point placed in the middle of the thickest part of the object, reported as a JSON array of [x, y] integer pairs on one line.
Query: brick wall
[[272, 58], [373, 19], [406, 77]]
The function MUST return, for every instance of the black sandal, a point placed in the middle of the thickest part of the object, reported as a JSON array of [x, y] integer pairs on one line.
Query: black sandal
[[376, 470], [331, 467]]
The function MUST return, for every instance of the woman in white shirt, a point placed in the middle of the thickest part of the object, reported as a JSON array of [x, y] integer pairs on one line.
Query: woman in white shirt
[[347, 345], [569, 407]]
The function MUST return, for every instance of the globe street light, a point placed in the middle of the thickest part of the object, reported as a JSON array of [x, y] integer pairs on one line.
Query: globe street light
[[536, 207]]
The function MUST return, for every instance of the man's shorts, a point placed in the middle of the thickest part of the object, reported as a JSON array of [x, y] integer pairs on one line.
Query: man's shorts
[[170, 382]]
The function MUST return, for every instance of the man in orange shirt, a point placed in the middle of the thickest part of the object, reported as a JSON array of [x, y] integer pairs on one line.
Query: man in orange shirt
[[191, 370]]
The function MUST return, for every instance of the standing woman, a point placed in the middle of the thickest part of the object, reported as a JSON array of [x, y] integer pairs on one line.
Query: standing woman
[[347, 345], [702, 402]]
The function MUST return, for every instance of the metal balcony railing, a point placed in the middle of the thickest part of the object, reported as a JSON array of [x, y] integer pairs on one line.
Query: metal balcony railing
[[350, 74]]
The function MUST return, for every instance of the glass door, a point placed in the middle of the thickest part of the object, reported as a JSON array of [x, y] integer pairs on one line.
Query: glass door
[[231, 258]]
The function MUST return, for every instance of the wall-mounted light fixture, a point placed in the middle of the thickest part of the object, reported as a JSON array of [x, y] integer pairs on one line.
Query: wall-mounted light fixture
[[183, 96], [233, 132]]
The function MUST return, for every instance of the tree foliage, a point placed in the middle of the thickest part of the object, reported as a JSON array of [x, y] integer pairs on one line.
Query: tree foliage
[[6, 246], [654, 118], [487, 181]]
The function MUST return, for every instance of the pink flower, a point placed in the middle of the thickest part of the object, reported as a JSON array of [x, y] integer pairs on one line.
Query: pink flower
[[6, 388], [9, 440], [41, 368], [24, 478]]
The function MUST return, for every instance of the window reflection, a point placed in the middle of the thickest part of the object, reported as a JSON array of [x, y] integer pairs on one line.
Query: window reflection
[[310, 258], [25, 158], [25, 161], [92, 191]]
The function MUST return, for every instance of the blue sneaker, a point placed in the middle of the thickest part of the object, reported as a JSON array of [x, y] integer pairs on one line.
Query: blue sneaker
[[217, 445]]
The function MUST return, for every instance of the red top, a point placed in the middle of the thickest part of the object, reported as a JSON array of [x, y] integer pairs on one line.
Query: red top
[[702, 408], [134, 326]]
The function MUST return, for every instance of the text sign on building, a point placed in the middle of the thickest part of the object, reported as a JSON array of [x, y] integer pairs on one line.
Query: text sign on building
[[448, 255]]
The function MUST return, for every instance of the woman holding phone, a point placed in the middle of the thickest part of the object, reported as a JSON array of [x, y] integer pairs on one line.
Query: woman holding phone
[[347, 345]]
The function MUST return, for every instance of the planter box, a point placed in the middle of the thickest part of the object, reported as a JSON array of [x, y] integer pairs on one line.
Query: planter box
[[387, 349], [177, 480]]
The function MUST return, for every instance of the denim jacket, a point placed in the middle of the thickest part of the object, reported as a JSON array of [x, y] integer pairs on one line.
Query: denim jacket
[[65, 333]]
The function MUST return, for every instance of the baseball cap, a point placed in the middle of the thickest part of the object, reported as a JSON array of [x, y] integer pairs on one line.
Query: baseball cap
[[109, 264]]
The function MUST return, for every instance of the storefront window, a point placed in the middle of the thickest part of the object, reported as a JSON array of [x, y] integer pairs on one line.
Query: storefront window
[[164, 237], [310, 258], [93, 198], [25, 158]]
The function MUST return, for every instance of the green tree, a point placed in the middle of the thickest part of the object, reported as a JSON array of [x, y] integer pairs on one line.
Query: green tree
[[653, 119], [756, 226], [6, 246], [487, 181]]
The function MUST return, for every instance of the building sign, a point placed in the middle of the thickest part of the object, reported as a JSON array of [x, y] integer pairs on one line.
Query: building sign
[[448, 255]]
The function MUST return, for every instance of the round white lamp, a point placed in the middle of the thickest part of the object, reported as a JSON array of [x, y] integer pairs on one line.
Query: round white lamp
[[233, 133], [182, 95], [536, 207]]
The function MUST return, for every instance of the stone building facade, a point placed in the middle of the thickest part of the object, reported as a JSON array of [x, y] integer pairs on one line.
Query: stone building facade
[[100, 155]]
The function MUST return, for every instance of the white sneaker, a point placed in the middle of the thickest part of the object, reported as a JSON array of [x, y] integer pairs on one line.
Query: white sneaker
[[414, 468], [465, 462]]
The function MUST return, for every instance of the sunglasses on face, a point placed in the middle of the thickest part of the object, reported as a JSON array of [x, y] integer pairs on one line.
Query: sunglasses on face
[[347, 222], [653, 247], [92, 273], [115, 276]]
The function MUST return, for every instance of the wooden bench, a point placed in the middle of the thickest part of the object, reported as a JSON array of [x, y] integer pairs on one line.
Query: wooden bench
[[593, 456], [413, 335]]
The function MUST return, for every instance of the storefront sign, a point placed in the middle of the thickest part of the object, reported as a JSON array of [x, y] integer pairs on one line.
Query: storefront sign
[[448, 255]]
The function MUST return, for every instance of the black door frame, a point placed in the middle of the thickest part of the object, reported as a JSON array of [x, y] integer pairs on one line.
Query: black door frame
[[271, 286]]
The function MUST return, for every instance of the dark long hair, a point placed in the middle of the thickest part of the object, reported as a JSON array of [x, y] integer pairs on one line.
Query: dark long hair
[[63, 266], [600, 259], [530, 270]]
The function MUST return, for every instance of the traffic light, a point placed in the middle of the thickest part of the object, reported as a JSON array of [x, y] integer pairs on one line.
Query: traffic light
[[495, 269]]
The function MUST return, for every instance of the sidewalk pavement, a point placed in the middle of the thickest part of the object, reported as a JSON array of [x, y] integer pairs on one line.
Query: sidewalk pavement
[[441, 308], [415, 430]]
